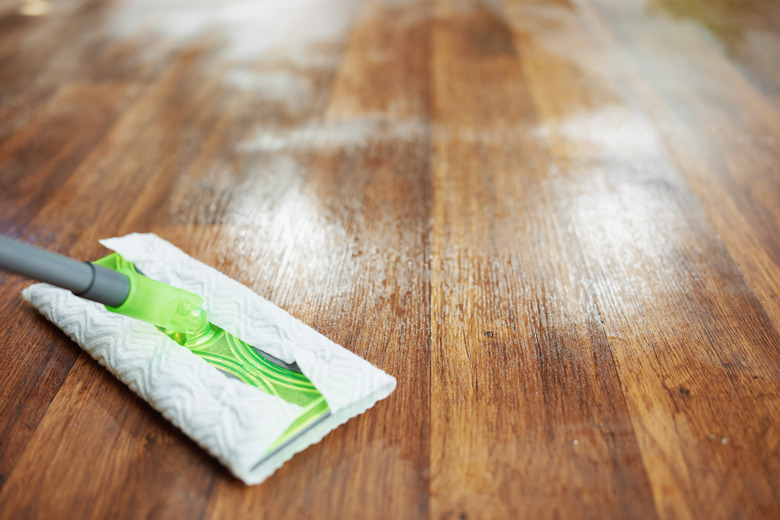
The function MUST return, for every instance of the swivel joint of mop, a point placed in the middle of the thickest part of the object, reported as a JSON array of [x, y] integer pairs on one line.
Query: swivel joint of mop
[[177, 311], [112, 281]]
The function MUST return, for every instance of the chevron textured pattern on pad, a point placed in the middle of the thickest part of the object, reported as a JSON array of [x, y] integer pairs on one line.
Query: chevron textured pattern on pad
[[233, 421], [341, 376]]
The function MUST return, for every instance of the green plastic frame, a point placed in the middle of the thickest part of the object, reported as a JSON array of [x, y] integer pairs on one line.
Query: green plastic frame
[[178, 314]]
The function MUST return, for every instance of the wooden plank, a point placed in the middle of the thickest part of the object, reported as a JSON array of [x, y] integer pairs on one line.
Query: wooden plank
[[713, 145], [35, 362], [745, 33], [348, 239], [689, 338], [111, 450], [38, 63], [37, 160], [131, 452], [34, 164], [523, 422]]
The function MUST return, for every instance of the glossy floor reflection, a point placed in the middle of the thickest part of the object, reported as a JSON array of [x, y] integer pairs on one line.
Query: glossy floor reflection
[[555, 223]]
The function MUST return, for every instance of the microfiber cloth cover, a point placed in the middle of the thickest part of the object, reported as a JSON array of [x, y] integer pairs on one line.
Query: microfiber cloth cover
[[234, 421]]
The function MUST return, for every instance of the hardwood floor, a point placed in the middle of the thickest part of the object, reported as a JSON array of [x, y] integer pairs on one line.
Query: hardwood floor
[[556, 223]]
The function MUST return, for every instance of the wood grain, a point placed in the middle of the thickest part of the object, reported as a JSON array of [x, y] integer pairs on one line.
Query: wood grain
[[556, 223]]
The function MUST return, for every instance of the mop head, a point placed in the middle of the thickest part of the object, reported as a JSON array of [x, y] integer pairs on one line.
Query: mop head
[[237, 423]]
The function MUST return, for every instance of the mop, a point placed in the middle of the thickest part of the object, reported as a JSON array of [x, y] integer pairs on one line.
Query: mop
[[241, 377]]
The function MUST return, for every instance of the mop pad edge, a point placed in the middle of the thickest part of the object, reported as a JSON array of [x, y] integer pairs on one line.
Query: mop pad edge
[[233, 421]]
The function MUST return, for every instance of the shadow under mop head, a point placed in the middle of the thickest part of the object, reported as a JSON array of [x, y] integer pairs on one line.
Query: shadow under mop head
[[245, 380]]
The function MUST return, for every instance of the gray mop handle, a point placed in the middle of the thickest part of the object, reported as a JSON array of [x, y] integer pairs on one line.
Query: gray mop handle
[[93, 282]]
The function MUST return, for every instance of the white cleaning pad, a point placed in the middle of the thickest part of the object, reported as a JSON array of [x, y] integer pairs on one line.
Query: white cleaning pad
[[233, 421]]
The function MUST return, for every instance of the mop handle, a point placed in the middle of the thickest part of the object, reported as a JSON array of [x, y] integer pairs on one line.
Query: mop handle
[[93, 282]]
